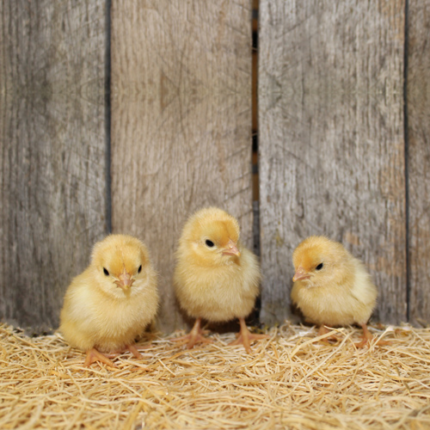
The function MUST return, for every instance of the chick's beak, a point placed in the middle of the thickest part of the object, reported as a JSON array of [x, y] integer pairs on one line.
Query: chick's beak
[[125, 280], [231, 249], [301, 274]]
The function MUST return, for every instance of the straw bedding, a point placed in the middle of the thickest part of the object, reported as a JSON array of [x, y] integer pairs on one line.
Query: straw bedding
[[291, 381]]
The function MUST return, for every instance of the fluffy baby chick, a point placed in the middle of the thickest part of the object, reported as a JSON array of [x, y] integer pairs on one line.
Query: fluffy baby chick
[[331, 287], [108, 305], [216, 278]]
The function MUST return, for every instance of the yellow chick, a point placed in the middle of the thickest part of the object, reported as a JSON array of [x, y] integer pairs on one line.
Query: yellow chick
[[108, 305], [331, 287], [216, 278]]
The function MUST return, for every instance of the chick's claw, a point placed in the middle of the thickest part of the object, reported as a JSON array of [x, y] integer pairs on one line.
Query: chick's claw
[[196, 339], [246, 337], [324, 330], [93, 356], [134, 351], [130, 348], [195, 336], [367, 338]]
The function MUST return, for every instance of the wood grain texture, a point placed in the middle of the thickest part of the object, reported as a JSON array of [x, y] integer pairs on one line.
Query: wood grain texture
[[52, 151], [181, 123], [331, 141], [418, 114]]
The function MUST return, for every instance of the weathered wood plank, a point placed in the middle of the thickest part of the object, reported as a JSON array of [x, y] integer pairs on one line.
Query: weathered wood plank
[[331, 141], [52, 151], [418, 113], [181, 122]]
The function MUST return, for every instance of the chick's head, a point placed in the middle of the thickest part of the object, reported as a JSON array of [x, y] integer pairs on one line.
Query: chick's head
[[120, 263], [211, 236], [319, 261]]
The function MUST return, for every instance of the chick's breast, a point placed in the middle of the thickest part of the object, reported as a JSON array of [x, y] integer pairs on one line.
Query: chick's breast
[[336, 304], [217, 293]]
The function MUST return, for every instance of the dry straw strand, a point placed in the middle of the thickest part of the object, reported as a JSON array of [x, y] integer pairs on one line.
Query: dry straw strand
[[294, 380]]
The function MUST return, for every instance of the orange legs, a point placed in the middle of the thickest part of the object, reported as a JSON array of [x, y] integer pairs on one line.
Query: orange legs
[[367, 337], [134, 351], [246, 337], [323, 330], [93, 355], [195, 335], [130, 348]]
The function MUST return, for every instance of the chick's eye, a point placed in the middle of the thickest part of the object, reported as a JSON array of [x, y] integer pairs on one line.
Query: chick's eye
[[319, 267], [105, 272], [139, 269], [209, 243]]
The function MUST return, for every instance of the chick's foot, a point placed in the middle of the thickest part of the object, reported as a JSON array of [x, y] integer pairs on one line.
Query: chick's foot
[[367, 338], [324, 330], [195, 335], [93, 355], [130, 348], [134, 351], [246, 337]]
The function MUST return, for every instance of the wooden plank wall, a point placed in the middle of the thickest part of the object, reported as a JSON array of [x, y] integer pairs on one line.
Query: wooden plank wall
[[418, 132], [181, 123], [52, 151], [333, 158], [332, 141]]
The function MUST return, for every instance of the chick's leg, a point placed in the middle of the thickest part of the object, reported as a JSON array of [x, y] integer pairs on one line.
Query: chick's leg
[[246, 337], [324, 330], [134, 351], [195, 335], [93, 355], [131, 348], [367, 337]]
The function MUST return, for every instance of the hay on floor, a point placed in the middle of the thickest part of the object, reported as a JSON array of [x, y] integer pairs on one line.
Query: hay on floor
[[290, 381]]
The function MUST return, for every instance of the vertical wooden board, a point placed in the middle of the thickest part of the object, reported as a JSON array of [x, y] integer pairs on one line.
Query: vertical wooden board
[[52, 152], [331, 141], [418, 114], [181, 123]]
